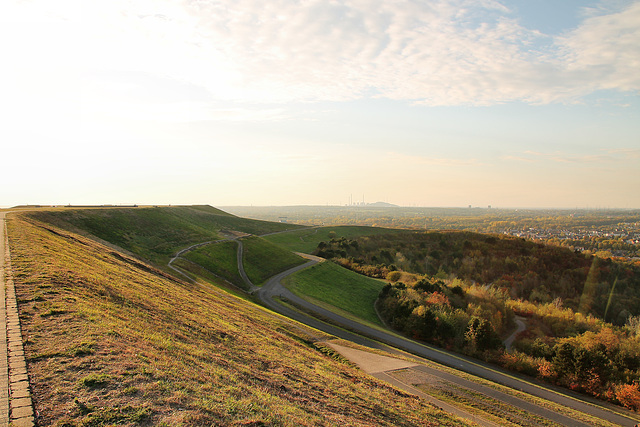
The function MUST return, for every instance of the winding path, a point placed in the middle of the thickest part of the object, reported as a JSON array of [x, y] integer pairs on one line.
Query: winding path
[[522, 325], [370, 337], [353, 331]]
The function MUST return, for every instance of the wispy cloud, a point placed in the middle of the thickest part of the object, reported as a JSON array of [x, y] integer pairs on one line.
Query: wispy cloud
[[445, 52], [399, 159], [605, 156], [633, 153], [604, 52], [438, 52], [513, 158]]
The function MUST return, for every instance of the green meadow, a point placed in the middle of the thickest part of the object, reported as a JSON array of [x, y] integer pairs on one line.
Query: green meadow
[[339, 287]]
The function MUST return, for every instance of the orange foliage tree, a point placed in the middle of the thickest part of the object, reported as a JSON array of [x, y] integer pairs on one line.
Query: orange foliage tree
[[629, 395]]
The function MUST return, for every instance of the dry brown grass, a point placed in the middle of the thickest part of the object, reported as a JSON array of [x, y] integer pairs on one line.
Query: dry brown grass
[[109, 340]]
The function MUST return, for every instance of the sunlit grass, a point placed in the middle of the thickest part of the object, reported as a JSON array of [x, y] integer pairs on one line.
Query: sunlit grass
[[306, 240], [157, 233], [220, 259], [263, 259], [129, 345], [339, 287]]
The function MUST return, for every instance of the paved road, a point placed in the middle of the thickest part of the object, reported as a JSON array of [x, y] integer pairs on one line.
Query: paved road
[[383, 367], [274, 289]]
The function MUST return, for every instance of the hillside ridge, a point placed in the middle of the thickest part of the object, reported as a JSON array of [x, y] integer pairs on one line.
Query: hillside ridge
[[148, 350]]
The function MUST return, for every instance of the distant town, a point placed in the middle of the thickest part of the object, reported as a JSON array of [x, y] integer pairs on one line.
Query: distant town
[[622, 240]]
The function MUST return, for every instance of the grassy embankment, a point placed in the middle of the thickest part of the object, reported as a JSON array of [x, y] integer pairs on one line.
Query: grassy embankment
[[217, 258], [327, 284], [156, 234], [263, 259], [109, 340], [338, 287], [306, 240]]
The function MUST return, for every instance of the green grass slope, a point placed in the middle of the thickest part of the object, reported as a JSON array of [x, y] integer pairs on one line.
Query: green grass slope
[[306, 240], [263, 259], [156, 233], [339, 287], [109, 340], [219, 259]]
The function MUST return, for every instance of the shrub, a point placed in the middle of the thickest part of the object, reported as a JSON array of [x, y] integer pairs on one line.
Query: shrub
[[394, 276], [629, 395]]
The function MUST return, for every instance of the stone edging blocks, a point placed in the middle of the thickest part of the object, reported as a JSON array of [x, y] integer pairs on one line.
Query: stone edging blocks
[[20, 405]]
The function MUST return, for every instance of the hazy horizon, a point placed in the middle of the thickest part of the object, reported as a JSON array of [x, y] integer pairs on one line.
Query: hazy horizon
[[488, 207], [415, 103]]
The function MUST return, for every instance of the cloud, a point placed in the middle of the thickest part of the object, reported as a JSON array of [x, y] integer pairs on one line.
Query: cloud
[[438, 52], [510, 158], [633, 153], [607, 156], [446, 52], [604, 52], [428, 52], [404, 159]]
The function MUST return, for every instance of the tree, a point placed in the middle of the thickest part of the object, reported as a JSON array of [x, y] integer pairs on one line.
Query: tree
[[633, 324], [563, 358], [480, 335], [629, 395]]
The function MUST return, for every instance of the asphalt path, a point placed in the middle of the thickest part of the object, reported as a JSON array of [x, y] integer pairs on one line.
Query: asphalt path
[[373, 338], [184, 251], [520, 321], [243, 274]]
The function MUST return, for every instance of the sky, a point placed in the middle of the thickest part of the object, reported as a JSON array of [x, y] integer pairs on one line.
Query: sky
[[508, 103]]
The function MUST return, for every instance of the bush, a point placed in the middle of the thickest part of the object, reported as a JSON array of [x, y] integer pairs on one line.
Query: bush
[[394, 276], [629, 395]]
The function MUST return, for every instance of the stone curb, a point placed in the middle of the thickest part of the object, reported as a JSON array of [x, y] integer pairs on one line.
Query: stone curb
[[19, 408]]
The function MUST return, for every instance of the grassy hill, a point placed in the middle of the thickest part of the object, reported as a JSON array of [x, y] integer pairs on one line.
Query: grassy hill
[[527, 270], [262, 259], [329, 283], [156, 233], [219, 259], [110, 340], [306, 240]]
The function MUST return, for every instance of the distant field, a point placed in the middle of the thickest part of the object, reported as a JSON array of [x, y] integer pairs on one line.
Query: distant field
[[339, 287], [263, 259], [307, 240], [220, 259]]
